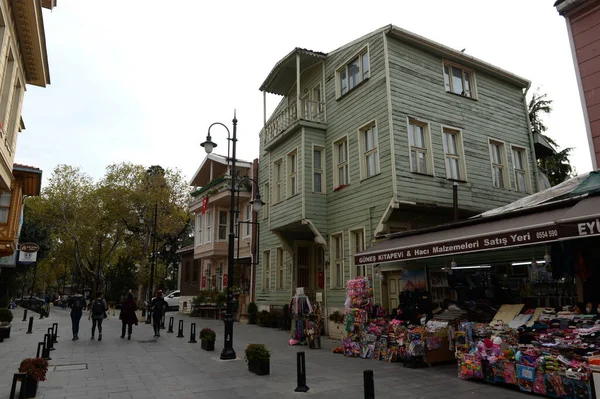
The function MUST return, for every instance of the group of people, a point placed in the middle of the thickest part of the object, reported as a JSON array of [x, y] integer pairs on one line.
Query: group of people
[[98, 312]]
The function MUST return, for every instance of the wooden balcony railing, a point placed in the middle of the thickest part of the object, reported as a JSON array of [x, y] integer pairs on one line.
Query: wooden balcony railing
[[313, 111]]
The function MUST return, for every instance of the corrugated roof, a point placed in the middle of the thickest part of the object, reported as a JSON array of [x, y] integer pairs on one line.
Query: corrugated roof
[[287, 63]]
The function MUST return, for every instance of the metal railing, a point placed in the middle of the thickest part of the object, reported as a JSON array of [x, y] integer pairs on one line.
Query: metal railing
[[313, 111]]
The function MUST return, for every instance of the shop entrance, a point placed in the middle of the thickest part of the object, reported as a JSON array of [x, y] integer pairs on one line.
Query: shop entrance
[[393, 284], [303, 266]]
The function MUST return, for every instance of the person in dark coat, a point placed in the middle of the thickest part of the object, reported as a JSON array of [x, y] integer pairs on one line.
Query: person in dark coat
[[128, 316], [159, 307]]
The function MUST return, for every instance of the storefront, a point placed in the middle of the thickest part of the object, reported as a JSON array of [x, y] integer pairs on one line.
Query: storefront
[[512, 293]]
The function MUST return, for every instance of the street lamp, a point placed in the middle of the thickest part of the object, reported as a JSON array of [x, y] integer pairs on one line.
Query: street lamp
[[228, 352], [152, 264]]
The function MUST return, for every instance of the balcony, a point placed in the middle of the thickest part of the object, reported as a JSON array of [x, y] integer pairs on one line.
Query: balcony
[[218, 193], [287, 118]]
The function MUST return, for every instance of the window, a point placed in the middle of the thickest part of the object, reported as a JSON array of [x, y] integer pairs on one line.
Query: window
[[340, 160], [222, 225], [280, 272], [354, 72], [15, 110], [266, 271], [209, 221], [318, 161], [220, 277], [453, 154], [278, 177], [459, 80], [337, 251], [420, 147], [195, 267], [199, 228], [267, 200], [357, 244], [521, 169], [370, 152], [498, 160], [292, 171], [248, 221]]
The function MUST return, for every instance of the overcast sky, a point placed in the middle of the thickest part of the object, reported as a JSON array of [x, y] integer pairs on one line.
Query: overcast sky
[[141, 81]]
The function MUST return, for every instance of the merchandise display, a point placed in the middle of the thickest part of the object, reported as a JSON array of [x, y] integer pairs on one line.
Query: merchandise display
[[306, 322]]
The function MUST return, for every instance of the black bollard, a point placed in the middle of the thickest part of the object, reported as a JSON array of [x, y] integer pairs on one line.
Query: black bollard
[[54, 332], [192, 333], [30, 325], [301, 372], [46, 354], [24, 314], [369, 384], [162, 322], [18, 377], [51, 339], [180, 332], [41, 345], [171, 319]]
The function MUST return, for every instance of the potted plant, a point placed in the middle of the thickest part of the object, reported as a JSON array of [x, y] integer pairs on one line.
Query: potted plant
[[207, 339], [258, 358], [6, 317], [36, 369], [336, 325], [252, 311]]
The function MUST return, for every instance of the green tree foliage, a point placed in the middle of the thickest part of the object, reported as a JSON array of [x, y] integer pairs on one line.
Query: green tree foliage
[[557, 166]]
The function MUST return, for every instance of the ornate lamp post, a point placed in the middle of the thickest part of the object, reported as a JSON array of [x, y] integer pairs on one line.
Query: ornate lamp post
[[228, 353]]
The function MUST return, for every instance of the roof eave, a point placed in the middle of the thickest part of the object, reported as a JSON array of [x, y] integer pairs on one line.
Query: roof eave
[[458, 56], [564, 6], [266, 85]]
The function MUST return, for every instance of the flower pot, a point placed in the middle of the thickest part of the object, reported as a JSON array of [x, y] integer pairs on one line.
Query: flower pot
[[30, 386], [207, 345], [259, 367], [5, 332]]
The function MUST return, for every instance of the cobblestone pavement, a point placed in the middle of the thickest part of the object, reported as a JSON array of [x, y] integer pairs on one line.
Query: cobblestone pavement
[[170, 367]]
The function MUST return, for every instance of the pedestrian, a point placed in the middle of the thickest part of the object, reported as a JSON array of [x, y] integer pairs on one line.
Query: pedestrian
[[77, 304], [159, 307], [127, 315], [98, 313]]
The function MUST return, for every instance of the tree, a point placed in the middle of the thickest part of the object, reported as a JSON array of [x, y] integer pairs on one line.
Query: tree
[[557, 166]]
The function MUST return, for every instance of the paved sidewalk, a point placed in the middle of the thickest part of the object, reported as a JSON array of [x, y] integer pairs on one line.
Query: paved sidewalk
[[170, 367]]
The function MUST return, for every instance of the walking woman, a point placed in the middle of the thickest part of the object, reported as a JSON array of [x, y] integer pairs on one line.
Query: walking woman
[[159, 307], [98, 314], [128, 316]]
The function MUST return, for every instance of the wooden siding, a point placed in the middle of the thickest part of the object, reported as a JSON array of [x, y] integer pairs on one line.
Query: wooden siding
[[585, 27], [315, 203], [417, 86]]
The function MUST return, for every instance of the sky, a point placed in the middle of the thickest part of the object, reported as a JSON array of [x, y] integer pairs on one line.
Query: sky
[[140, 81]]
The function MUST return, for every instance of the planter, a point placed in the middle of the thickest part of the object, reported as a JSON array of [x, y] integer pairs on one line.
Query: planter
[[336, 330], [30, 386], [5, 332], [207, 345], [259, 367]]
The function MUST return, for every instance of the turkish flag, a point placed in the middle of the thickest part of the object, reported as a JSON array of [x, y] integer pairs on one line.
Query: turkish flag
[[204, 204]]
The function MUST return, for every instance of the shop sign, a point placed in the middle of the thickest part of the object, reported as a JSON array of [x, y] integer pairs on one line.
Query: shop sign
[[583, 228]]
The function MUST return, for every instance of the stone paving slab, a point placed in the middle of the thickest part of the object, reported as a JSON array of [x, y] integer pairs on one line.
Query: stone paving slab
[[170, 367]]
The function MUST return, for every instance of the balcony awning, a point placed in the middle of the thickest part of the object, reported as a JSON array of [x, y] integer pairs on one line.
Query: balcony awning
[[282, 77], [575, 219]]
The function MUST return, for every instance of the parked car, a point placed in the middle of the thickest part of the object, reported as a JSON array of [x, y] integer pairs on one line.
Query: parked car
[[172, 299], [30, 302]]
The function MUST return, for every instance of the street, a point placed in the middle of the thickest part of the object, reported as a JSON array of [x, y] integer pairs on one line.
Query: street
[[170, 367]]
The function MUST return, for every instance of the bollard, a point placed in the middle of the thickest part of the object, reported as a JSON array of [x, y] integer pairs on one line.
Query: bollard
[[192, 334], [171, 319], [18, 377], [180, 332], [30, 325], [54, 332], [46, 354], [51, 339], [43, 347], [162, 322], [369, 384], [301, 372], [24, 314]]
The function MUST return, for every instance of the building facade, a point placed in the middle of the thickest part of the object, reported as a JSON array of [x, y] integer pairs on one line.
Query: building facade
[[583, 26], [204, 266], [370, 139]]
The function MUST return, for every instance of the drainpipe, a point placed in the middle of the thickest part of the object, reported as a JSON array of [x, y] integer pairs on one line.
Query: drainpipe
[[455, 200]]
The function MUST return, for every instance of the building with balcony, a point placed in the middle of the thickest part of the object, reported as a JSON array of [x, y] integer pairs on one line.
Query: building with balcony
[[370, 139], [204, 267], [23, 61], [583, 26]]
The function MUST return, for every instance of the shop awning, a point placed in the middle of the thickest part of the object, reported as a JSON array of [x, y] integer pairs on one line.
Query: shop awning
[[575, 221]]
